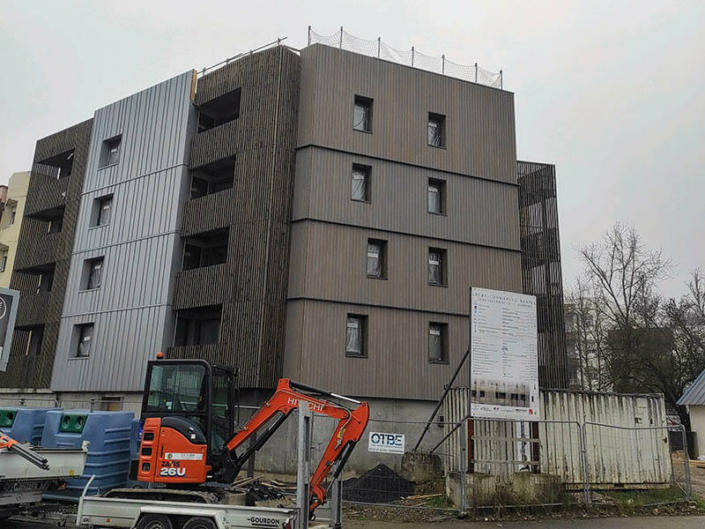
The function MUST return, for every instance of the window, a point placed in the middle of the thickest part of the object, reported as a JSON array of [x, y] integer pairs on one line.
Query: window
[[198, 326], [436, 267], [3, 261], [199, 187], [376, 258], [13, 216], [438, 342], [356, 336], [55, 225], [219, 111], [105, 209], [46, 281], [111, 151], [436, 130], [206, 249], [92, 273], [62, 163], [213, 177], [84, 334], [362, 115], [360, 183], [436, 196], [192, 257]]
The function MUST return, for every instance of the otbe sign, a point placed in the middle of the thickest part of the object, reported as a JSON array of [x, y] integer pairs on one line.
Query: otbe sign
[[388, 443]]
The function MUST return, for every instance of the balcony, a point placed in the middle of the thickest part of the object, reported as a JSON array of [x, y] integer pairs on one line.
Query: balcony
[[201, 287], [37, 255], [32, 310], [210, 352], [46, 196], [208, 213]]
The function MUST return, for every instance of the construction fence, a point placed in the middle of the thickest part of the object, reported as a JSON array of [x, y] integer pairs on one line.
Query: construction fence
[[379, 49], [573, 456]]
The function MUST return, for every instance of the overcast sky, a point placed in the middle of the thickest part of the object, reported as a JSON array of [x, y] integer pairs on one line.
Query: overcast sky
[[612, 93]]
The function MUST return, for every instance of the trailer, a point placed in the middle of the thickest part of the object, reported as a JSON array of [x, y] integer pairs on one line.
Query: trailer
[[27, 472], [143, 513], [97, 511]]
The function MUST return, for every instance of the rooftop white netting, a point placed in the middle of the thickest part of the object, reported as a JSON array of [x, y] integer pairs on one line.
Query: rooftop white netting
[[416, 59]]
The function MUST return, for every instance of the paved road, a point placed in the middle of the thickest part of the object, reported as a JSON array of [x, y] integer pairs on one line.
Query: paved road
[[654, 522]]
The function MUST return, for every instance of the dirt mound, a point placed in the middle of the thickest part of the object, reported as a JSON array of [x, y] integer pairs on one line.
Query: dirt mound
[[378, 485]]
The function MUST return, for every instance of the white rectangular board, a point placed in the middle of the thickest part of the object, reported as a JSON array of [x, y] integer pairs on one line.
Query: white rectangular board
[[504, 374], [386, 443]]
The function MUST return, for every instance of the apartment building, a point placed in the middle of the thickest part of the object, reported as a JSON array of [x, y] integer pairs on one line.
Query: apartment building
[[315, 214], [13, 199]]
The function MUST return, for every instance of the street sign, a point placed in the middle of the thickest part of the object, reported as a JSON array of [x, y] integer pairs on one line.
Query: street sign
[[503, 355], [9, 299]]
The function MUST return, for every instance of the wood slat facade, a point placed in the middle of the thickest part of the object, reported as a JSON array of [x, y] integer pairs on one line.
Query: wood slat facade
[[251, 286], [47, 197]]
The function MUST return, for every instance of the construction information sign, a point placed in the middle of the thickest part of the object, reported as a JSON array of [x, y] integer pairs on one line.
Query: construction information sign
[[503, 355], [387, 443]]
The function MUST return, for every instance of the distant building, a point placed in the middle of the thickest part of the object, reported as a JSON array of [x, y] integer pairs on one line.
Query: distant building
[[316, 214], [13, 198], [584, 343], [694, 399]]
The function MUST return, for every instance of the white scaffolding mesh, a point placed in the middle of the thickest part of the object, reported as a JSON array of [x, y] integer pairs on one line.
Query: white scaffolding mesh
[[377, 48]]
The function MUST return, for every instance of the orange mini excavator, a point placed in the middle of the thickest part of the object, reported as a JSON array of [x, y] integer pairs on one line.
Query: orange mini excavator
[[190, 410]]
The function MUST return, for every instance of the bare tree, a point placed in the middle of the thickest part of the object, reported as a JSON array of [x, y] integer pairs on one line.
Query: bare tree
[[652, 344]]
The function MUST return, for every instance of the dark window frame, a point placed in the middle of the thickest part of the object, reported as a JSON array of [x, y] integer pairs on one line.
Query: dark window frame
[[367, 171], [440, 119], [80, 331], [87, 275], [364, 103], [442, 328], [443, 258], [98, 214], [362, 320], [382, 244], [442, 194], [106, 151]]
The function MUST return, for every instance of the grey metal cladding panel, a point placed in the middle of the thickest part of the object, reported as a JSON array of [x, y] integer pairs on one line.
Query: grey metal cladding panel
[[329, 262], [148, 185], [479, 120], [478, 211], [397, 363], [117, 362], [154, 128], [142, 207], [134, 275]]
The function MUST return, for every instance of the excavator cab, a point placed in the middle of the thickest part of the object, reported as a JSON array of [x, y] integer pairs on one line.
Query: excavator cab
[[197, 400], [189, 413]]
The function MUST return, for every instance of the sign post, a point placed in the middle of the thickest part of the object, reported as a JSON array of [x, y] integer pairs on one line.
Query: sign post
[[503, 356], [9, 299]]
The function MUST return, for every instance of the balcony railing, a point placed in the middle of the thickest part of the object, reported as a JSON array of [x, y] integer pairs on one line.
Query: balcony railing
[[200, 287], [207, 213], [37, 253], [45, 195], [32, 309]]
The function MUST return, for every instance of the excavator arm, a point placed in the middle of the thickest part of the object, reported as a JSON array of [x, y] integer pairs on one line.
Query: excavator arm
[[351, 425]]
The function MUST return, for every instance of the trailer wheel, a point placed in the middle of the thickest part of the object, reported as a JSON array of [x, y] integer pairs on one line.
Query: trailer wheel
[[155, 521], [200, 523]]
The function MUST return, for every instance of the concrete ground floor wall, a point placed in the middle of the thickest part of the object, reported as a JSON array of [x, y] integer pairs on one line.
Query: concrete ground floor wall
[[406, 417]]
